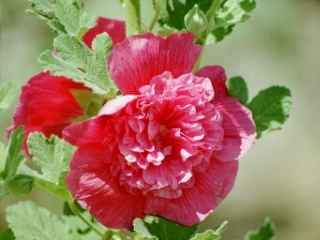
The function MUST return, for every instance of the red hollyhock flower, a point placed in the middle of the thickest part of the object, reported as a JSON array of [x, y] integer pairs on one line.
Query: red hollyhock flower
[[169, 146], [47, 103]]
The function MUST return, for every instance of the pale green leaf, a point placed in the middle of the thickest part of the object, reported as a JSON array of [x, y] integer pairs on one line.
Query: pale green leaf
[[207, 235], [140, 228], [69, 13], [51, 155], [211, 234], [73, 59], [71, 50], [237, 87], [30, 222], [265, 232], [57, 66], [227, 16], [43, 6], [271, 108]]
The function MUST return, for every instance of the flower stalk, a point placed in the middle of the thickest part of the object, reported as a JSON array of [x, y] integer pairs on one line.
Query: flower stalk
[[133, 16], [75, 210]]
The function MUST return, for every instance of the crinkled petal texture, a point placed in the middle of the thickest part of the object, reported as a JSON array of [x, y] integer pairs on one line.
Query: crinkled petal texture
[[238, 125], [47, 104], [135, 61], [114, 28], [170, 149]]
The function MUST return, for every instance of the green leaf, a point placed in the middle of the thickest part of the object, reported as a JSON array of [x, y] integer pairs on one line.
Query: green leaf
[[140, 228], [271, 108], [265, 232], [20, 184], [207, 235], [164, 229], [73, 59], [57, 66], [7, 95], [96, 70], [45, 225], [237, 87], [222, 16], [13, 154], [43, 6], [71, 15], [30, 222], [211, 234], [71, 50], [231, 13], [196, 21], [51, 155], [63, 16], [7, 235]]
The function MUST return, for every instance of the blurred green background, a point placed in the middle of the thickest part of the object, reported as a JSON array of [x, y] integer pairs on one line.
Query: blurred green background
[[280, 177]]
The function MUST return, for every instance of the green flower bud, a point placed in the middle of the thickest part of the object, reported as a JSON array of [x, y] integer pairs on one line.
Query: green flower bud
[[196, 21]]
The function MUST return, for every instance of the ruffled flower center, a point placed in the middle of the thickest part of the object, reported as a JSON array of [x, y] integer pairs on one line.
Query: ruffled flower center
[[169, 131]]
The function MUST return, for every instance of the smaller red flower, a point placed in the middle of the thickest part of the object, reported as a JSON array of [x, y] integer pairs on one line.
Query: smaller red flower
[[47, 103]]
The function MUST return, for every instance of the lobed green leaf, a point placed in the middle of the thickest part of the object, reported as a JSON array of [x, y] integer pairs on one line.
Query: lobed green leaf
[[237, 87], [51, 155], [207, 235], [44, 225], [73, 59], [265, 232], [271, 108]]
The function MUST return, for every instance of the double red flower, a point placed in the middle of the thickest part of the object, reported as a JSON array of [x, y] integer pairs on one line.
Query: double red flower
[[168, 146]]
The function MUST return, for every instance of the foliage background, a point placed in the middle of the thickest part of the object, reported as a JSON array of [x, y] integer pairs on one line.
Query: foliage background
[[279, 45]]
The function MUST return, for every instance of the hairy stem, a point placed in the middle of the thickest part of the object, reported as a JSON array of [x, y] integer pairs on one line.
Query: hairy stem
[[212, 10], [155, 18], [75, 210], [133, 16]]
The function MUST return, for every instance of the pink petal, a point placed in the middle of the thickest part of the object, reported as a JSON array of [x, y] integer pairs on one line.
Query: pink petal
[[114, 28], [47, 105], [239, 129], [197, 202], [135, 61], [115, 105], [218, 77], [92, 183]]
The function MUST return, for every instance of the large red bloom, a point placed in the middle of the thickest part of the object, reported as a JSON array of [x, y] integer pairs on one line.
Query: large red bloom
[[169, 146], [47, 103]]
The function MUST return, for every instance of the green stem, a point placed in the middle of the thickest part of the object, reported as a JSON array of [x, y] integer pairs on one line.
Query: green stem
[[133, 16], [213, 9], [211, 13], [156, 15], [222, 227], [75, 210]]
